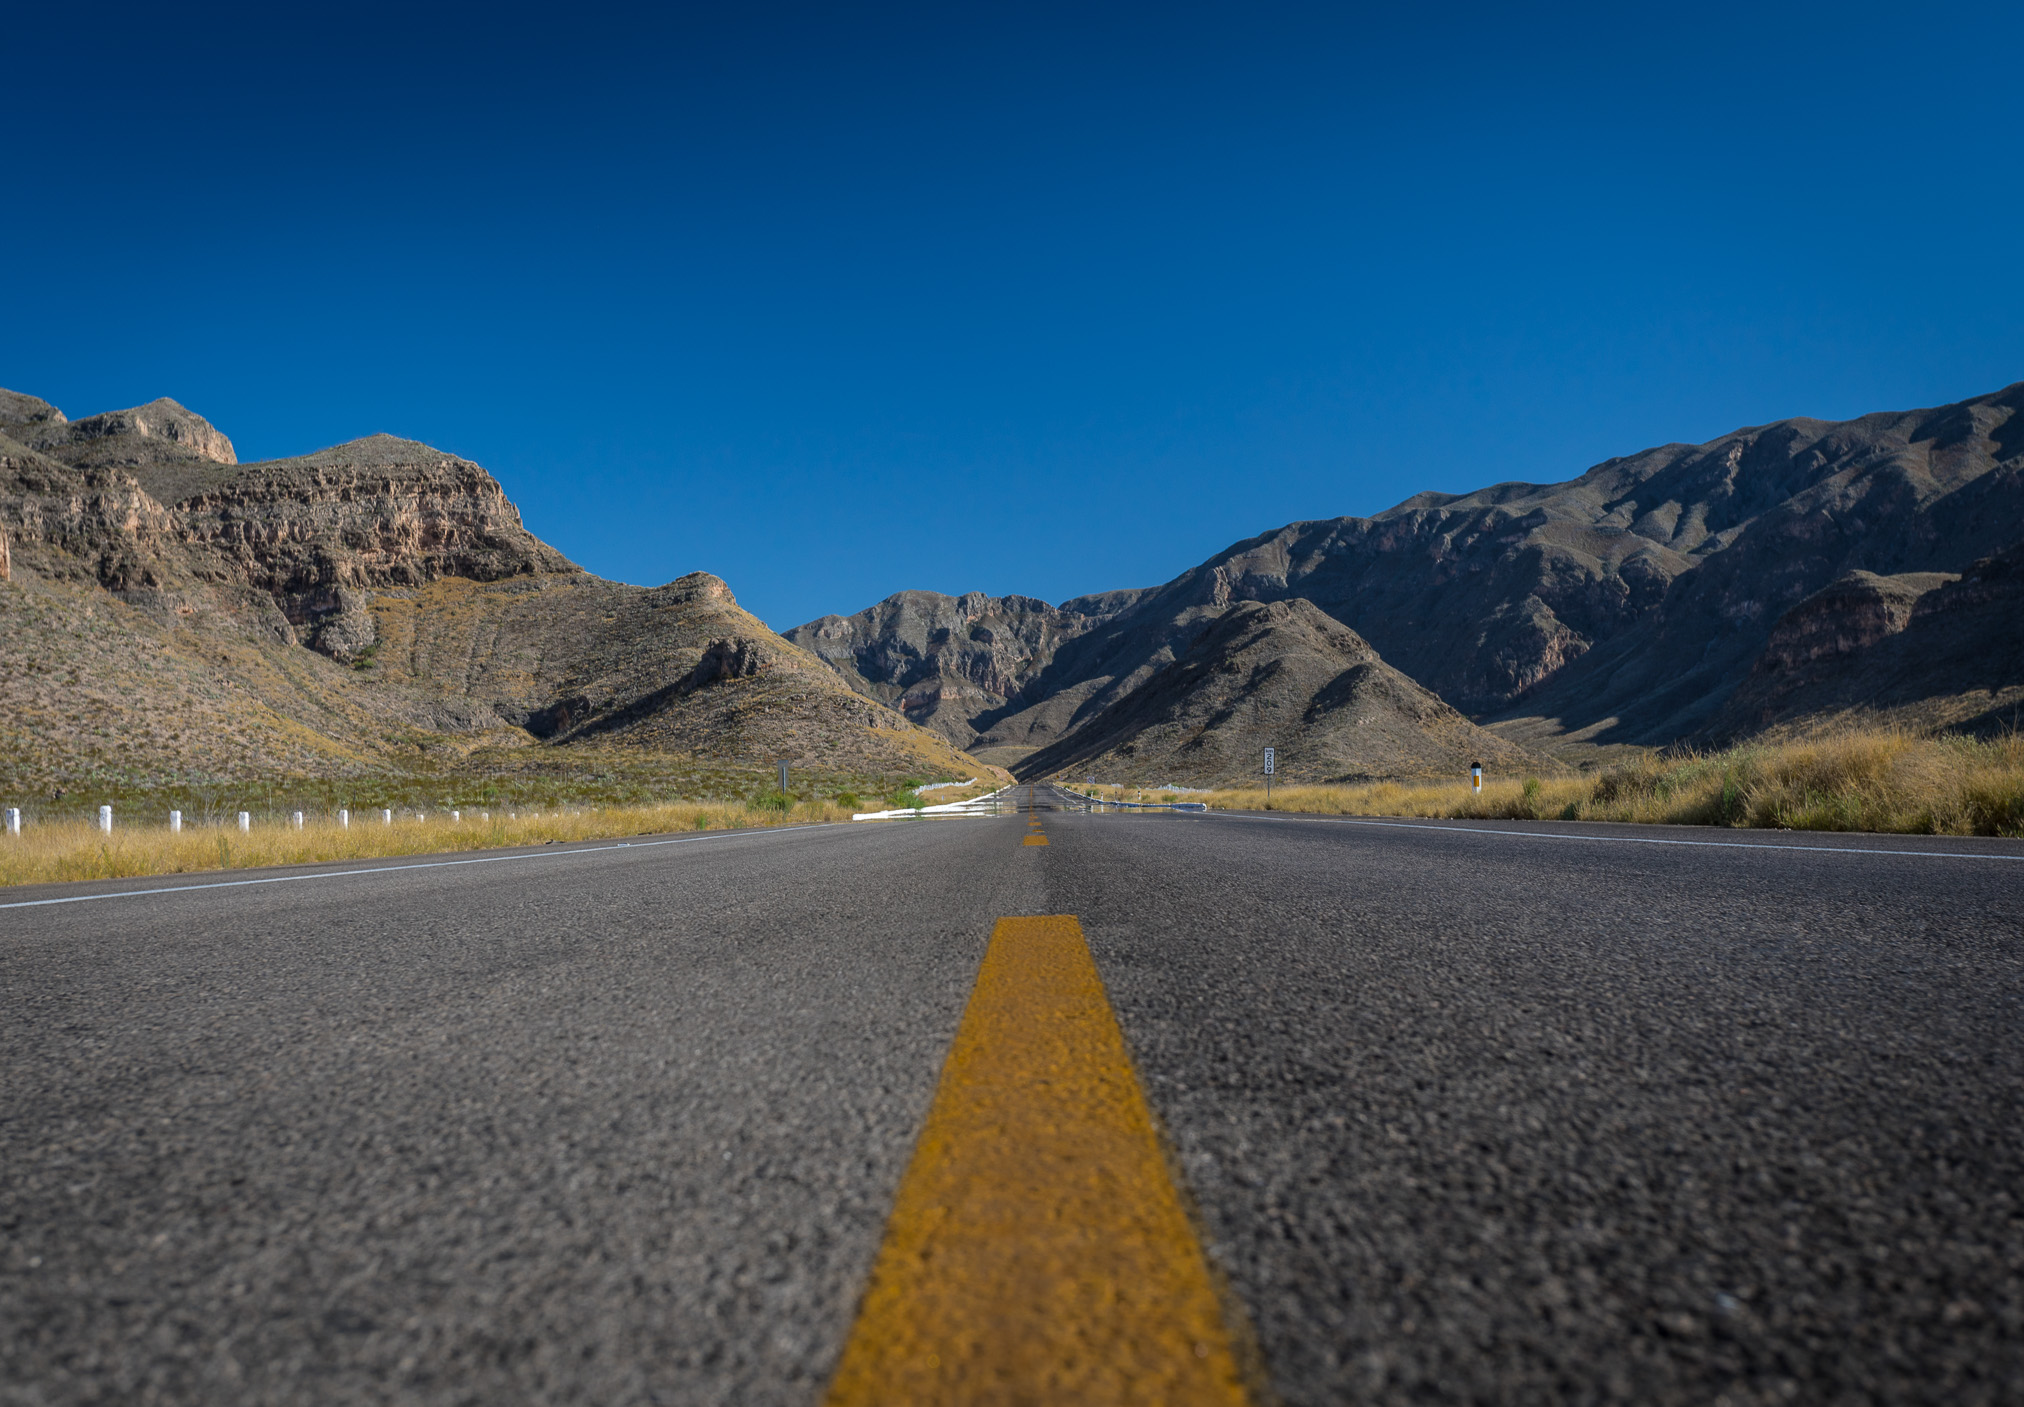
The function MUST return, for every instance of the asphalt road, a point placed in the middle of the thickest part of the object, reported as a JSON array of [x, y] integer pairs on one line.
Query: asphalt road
[[1469, 1113]]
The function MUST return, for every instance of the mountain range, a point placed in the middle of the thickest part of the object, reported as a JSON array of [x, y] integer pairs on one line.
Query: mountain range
[[173, 617], [1780, 577]]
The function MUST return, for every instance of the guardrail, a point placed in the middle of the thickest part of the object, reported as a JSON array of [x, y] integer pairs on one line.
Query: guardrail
[[986, 805], [1133, 805]]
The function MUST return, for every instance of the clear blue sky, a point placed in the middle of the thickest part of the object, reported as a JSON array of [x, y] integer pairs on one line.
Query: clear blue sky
[[835, 301]]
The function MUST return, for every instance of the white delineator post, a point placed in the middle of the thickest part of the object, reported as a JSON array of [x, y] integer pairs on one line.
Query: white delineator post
[[296, 820], [1476, 778], [457, 816], [343, 819], [14, 820], [105, 819], [386, 816], [175, 822], [245, 820]]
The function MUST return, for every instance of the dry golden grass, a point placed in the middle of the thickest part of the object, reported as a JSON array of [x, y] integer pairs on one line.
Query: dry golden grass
[[1851, 781], [75, 850]]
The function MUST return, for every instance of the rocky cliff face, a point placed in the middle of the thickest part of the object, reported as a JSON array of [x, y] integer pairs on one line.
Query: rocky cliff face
[[152, 501], [319, 533], [85, 524], [945, 660], [1921, 650]]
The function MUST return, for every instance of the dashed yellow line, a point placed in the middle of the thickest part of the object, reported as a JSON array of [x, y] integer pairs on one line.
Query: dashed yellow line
[[1039, 1251], [1034, 836]]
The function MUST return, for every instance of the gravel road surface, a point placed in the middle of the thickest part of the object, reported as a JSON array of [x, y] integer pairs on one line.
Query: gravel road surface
[[1469, 1112]]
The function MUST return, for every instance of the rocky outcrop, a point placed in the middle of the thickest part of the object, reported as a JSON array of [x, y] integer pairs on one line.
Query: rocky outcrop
[[1843, 618], [1922, 650], [86, 524], [152, 500], [724, 660], [173, 430], [373, 513], [336, 620], [166, 450], [23, 416]]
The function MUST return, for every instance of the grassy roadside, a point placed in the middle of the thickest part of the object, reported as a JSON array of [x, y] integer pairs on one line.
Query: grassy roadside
[[74, 850], [54, 850], [1852, 781]]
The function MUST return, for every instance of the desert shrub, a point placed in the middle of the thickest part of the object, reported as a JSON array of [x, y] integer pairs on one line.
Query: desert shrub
[[1629, 783]]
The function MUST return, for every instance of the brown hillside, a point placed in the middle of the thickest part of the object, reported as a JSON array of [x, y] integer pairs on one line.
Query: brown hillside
[[1279, 674]]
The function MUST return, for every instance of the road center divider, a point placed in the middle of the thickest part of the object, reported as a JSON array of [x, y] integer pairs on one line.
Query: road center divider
[[1039, 1250]]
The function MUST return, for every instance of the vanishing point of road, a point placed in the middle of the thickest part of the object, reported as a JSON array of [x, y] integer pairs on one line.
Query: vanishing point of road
[[1054, 1106]]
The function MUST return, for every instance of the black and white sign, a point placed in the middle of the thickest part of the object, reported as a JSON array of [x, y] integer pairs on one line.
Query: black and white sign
[[1268, 761]]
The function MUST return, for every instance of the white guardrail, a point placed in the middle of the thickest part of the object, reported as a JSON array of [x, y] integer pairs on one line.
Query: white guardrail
[[987, 805], [1134, 805], [992, 805]]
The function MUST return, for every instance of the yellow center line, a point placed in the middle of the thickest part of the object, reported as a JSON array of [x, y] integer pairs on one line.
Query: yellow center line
[[1039, 1251]]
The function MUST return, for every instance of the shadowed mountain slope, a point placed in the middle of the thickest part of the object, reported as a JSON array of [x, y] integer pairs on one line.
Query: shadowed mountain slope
[[1281, 674], [170, 614], [1921, 650]]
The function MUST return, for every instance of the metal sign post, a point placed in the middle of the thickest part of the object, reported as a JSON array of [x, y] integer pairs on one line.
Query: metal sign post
[[783, 778], [1269, 758]]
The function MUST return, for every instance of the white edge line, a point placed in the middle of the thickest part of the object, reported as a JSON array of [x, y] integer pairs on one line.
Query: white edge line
[[1618, 839], [424, 865]]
